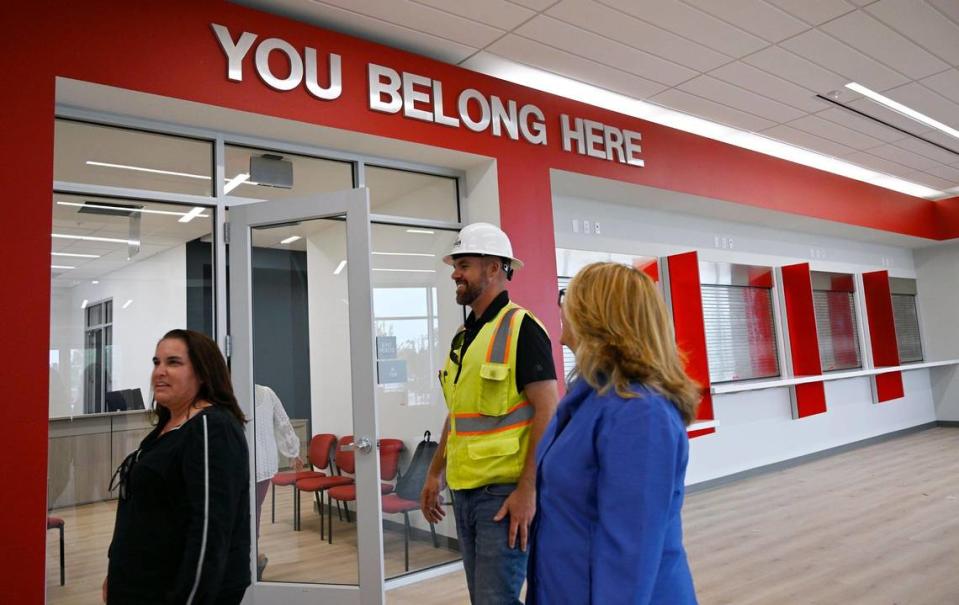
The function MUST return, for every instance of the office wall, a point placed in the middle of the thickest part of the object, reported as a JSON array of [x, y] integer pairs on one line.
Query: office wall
[[937, 270], [156, 290], [756, 428]]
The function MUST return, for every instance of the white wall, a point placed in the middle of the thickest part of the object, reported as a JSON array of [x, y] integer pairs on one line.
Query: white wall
[[756, 428], [937, 270], [157, 288]]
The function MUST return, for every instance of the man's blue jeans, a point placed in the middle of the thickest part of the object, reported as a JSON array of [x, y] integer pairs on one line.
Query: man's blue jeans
[[494, 571]]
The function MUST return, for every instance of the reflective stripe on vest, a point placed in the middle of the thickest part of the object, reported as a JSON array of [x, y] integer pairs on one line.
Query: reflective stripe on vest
[[519, 415], [498, 351]]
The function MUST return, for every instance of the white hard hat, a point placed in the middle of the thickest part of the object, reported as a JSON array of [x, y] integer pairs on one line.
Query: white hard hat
[[483, 239]]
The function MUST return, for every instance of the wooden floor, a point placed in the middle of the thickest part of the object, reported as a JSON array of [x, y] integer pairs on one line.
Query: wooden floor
[[875, 526]]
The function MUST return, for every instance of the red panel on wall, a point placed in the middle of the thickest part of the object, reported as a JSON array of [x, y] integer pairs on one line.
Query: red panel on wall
[[882, 334], [808, 398], [687, 303], [648, 266]]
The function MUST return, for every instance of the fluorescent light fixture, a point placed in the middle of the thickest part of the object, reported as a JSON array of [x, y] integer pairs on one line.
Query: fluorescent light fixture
[[339, 267], [95, 282], [93, 238], [235, 182], [149, 170], [84, 304], [192, 214], [407, 270], [404, 254], [425, 231], [290, 239], [75, 255], [62, 267], [141, 210], [902, 109], [591, 95], [127, 303]]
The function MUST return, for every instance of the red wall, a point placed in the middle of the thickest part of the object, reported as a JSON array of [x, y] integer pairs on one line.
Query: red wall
[[168, 48]]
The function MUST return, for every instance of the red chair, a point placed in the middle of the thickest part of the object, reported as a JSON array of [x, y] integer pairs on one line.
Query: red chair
[[320, 450], [389, 467], [343, 461], [393, 504], [57, 522]]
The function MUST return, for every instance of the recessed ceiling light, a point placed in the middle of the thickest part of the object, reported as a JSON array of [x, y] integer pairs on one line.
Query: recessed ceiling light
[[127, 303], [62, 267], [141, 210], [235, 182], [148, 170], [95, 282], [84, 304], [290, 239], [403, 254], [599, 97], [75, 255], [192, 214], [902, 109], [94, 238], [339, 267], [425, 231]]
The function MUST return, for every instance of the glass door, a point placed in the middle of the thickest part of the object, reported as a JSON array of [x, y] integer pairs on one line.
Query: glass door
[[301, 321]]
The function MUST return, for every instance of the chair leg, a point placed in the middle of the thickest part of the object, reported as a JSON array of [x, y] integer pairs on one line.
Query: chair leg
[[296, 508], [406, 540], [329, 527], [339, 511], [436, 543], [273, 503], [319, 506], [346, 507], [63, 577]]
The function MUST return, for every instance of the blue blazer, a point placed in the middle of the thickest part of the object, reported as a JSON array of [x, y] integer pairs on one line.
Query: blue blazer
[[610, 487]]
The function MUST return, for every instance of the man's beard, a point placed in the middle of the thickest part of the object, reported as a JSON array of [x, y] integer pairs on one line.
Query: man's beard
[[471, 292]]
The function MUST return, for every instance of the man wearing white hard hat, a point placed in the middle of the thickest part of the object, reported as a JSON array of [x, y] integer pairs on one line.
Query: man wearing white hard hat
[[500, 388]]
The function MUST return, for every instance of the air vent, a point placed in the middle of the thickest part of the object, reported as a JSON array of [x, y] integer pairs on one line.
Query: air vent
[[108, 209], [271, 170]]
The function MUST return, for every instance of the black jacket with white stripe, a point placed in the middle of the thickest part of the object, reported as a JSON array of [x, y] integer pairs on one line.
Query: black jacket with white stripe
[[182, 533]]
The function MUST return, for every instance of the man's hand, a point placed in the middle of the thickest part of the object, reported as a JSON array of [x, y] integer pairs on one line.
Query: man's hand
[[103, 590], [521, 508], [430, 499], [297, 464]]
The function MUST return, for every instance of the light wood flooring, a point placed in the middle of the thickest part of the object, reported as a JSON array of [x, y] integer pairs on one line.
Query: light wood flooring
[[877, 525]]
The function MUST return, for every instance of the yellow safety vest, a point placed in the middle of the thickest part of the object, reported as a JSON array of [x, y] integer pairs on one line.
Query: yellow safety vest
[[489, 420]]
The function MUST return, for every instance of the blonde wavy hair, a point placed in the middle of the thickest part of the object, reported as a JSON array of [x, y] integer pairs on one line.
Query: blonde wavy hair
[[623, 334]]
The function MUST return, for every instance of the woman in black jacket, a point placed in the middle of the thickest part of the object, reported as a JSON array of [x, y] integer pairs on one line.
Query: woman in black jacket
[[182, 533]]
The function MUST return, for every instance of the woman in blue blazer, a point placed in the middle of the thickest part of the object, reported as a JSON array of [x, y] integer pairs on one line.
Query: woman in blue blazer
[[612, 464]]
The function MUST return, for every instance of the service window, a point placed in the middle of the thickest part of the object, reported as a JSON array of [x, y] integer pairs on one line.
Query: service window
[[836, 326], [738, 316], [907, 319]]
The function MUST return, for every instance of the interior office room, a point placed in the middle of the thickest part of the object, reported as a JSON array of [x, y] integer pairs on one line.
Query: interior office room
[[286, 177]]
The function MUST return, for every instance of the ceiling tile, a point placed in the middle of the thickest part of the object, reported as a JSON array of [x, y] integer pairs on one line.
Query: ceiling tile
[[863, 125], [742, 99], [633, 32], [535, 54], [496, 13], [901, 156], [845, 60], [536, 5], [420, 18], [945, 140], [950, 173], [784, 64], [768, 85], [709, 110], [560, 34], [377, 30], [922, 24], [871, 37], [920, 98], [867, 160], [862, 2], [924, 178], [927, 150], [803, 139], [949, 8], [834, 132], [814, 12], [692, 24], [887, 115], [754, 16], [945, 83]]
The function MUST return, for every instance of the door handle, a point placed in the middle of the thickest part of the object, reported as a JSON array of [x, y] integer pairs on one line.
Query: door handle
[[363, 445]]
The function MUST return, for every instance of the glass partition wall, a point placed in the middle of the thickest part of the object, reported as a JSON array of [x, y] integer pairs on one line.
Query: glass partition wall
[[135, 253]]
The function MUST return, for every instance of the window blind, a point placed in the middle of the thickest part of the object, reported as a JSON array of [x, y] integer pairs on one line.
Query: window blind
[[907, 327], [740, 333], [837, 330]]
